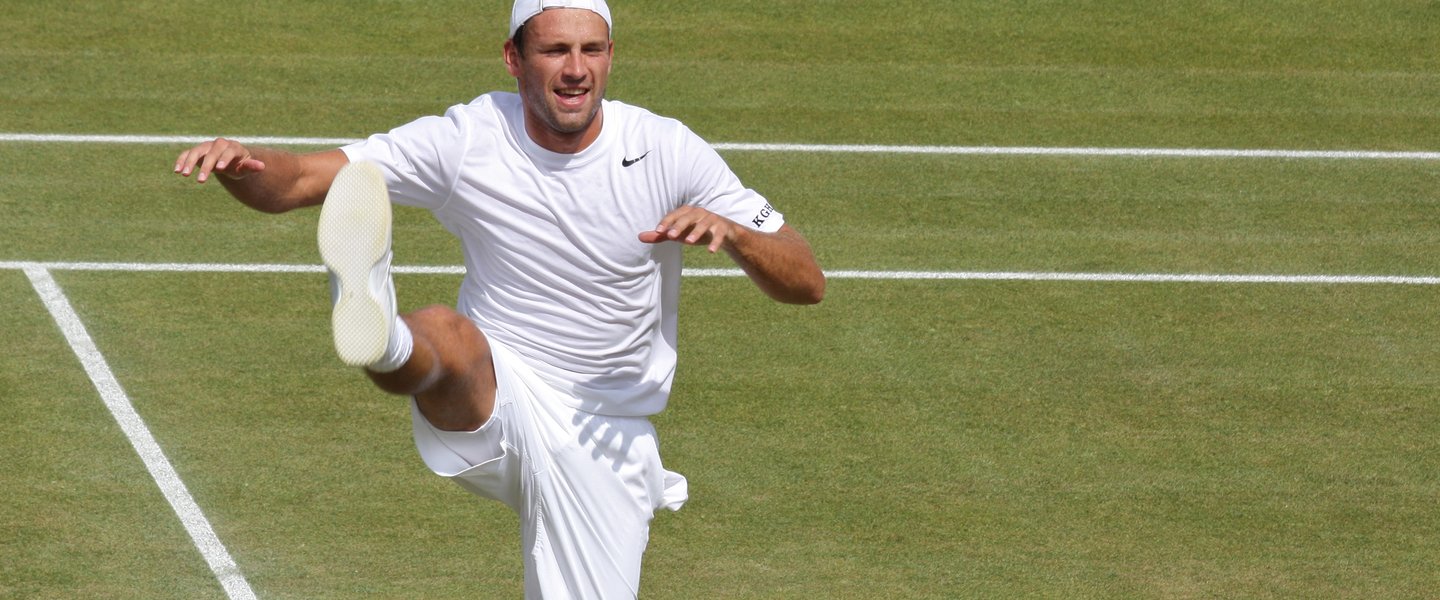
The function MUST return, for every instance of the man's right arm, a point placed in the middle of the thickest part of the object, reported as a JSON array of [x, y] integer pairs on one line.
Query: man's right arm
[[265, 179]]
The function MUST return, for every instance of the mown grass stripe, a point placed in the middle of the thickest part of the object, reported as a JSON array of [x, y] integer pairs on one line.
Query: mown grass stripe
[[804, 148], [833, 274]]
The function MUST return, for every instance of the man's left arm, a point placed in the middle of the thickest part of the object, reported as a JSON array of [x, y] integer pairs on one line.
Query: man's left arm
[[781, 263]]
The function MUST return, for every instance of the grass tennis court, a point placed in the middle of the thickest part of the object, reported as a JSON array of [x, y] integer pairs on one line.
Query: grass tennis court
[[907, 438]]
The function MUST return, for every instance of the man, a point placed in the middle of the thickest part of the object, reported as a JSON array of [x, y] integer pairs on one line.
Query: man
[[571, 211]]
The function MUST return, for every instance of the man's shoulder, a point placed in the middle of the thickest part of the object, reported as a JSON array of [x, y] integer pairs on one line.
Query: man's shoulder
[[639, 115], [642, 122], [490, 112], [488, 106]]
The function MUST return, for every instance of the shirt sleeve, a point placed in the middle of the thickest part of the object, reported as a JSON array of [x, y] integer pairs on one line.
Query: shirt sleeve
[[420, 160], [714, 187]]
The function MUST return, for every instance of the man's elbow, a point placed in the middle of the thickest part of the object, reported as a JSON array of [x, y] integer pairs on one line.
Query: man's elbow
[[810, 293], [270, 208]]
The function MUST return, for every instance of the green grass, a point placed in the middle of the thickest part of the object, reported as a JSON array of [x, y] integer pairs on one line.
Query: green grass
[[1071, 440], [904, 439], [83, 519]]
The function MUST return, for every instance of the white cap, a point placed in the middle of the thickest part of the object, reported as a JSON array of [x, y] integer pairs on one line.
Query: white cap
[[524, 9]]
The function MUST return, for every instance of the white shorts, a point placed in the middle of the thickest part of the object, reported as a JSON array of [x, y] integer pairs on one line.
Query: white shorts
[[585, 486]]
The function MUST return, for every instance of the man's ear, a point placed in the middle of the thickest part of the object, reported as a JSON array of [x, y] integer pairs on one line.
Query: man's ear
[[512, 58]]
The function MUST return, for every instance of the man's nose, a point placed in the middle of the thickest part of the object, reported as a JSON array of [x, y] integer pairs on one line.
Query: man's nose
[[574, 66]]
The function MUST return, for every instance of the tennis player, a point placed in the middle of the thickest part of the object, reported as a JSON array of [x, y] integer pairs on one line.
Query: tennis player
[[536, 390]]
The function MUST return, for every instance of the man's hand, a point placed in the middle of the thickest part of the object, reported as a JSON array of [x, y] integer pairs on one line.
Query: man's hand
[[222, 156], [693, 226], [780, 263], [265, 179]]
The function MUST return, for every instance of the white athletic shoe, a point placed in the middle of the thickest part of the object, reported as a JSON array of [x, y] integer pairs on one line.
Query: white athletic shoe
[[354, 237]]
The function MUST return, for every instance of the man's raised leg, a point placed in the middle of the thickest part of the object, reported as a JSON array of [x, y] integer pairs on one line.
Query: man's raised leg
[[434, 354], [449, 372]]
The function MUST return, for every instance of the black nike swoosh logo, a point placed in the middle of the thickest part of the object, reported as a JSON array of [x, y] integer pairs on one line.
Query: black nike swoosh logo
[[625, 162]]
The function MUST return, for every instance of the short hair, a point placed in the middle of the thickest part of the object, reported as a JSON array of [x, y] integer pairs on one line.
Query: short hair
[[519, 39]]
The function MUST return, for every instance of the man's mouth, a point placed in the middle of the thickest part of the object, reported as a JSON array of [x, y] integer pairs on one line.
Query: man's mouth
[[571, 96]]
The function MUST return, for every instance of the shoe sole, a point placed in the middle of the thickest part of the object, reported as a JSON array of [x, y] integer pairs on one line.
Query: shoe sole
[[354, 235]]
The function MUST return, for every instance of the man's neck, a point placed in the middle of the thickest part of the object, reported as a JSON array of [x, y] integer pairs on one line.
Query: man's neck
[[564, 143]]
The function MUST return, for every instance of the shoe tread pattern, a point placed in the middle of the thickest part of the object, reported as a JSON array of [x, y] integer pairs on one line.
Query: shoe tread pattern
[[354, 234]]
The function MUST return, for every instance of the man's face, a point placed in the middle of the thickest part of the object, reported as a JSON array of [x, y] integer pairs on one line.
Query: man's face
[[562, 71]]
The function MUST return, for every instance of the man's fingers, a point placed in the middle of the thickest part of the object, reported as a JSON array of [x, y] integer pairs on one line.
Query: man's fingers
[[201, 158], [718, 240], [681, 218], [691, 226], [219, 155], [706, 228], [207, 165], [675, 224], [185, 163]]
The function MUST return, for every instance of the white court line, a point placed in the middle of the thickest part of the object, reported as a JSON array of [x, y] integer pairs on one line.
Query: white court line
[[1083, 151], [833, 274], [53, 138], [830, 148], [201, 533], [1102, 277]]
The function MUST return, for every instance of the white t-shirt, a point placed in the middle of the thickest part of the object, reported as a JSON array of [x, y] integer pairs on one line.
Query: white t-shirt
[[554, 266]]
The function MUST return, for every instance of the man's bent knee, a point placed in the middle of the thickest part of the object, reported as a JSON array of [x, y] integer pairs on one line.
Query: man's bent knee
[[461, 393]]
